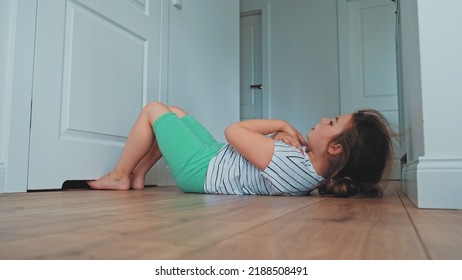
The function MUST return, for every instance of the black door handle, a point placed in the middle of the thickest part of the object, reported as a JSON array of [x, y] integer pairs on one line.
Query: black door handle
[[257, 86]]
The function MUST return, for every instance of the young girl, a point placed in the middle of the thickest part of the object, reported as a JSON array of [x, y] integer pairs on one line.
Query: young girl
[[344, 156]]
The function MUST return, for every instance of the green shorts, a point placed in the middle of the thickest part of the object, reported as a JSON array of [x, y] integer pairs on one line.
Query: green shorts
[[187, 148]]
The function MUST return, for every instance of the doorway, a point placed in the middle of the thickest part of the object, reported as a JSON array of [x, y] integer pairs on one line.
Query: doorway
[[251, 82]]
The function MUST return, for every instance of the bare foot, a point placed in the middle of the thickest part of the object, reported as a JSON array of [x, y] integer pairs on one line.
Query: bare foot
[[137, 182], [110, 182]]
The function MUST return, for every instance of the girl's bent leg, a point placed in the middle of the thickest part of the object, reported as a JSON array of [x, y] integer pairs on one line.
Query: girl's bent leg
[[186, 152], [139, 142], [148, 161]]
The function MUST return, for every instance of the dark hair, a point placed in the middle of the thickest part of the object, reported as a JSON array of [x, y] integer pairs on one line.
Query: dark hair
[[365, 160]]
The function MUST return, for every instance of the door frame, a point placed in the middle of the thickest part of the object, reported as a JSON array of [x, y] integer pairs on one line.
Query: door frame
[[263, 9], [18, 137], [257, 67], [21, 97]]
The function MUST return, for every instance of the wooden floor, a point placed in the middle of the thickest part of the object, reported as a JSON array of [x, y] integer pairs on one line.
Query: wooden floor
[[163, 223]]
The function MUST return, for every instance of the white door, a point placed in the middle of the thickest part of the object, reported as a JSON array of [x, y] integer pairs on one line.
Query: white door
[[96, 64], [251, 87], [372, 60]]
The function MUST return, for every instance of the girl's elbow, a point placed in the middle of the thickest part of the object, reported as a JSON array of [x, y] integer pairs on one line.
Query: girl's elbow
[[230, 132]]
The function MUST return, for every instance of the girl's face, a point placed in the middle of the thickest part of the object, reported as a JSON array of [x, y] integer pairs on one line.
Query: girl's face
[[321, 135]]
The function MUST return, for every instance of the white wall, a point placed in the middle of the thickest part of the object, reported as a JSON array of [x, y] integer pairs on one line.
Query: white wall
[[303, 59], [203, 74], [7, 9], [431, 89], [441, 62]]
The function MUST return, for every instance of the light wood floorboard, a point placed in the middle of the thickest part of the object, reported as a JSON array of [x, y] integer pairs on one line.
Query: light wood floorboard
[[163, 223]]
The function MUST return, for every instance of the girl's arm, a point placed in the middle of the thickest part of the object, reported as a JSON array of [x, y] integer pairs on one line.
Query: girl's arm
[[249, 139]]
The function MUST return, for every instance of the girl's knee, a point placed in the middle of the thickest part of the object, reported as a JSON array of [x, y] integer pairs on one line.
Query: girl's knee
[[154, 110], [178, 111]]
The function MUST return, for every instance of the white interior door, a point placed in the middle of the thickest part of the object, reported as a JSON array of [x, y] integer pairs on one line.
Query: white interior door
[[372, 56], [96, 64], [251, 67], [372, 60]]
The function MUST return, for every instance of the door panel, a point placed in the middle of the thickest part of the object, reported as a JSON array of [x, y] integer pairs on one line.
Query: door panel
[[92, 89], [373, 55], [97, 63], [251, 66]]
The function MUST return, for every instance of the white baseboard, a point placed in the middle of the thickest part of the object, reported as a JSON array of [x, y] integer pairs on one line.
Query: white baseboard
[[434, 183], [2, 177]]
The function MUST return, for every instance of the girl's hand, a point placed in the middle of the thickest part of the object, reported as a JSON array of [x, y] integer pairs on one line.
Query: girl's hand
[[296, 141]]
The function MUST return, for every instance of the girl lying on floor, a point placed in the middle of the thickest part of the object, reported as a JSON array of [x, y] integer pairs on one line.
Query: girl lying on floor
[[344, 156]]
